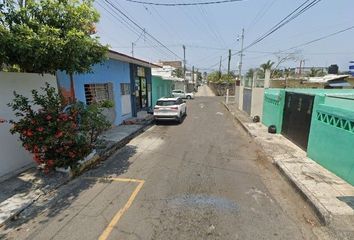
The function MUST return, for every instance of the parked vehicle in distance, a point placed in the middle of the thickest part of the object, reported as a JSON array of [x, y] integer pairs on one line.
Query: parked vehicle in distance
[[170, 109], [182, 94]]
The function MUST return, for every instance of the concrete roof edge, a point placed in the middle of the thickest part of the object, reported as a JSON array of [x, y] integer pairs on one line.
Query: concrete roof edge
[[125, 58]]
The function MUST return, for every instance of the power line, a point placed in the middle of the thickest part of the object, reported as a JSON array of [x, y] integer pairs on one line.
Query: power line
[[200, 23], [141, 28], [310, 42], [265, 8], [301, 45], [210, 25], [183, 4], [306, 5], [294, 14], [128, 25], [320, 38]]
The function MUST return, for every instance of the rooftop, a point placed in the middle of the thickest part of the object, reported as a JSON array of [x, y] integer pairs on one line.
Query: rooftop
[[125, 58], [327, 78]]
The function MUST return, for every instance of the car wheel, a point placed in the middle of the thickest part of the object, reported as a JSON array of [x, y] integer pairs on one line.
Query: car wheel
[[189, 97], [185, 112], [179, 119]]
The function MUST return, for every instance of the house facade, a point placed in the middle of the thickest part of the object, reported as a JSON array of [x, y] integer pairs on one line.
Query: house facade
[[164, 81], [123, 80], [161, 87], [311, 118]]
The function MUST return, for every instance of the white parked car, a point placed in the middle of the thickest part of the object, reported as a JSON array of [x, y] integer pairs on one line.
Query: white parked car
[[182, 94], [170, 109]]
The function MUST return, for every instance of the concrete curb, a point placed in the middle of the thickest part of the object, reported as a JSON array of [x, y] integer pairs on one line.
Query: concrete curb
[[97, 158], [324, 216], [123, 142], [238, 120], [321, 212]]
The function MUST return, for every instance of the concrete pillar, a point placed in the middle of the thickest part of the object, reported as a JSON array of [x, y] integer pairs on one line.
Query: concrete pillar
[[227, 96], [254, 78], [267, 79], [240, 98]]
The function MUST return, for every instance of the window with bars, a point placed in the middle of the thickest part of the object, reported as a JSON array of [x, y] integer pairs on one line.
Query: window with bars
[[125, 89], [95, 93]]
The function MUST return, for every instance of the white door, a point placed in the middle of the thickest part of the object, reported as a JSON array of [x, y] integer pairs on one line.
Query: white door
[[125, 99]]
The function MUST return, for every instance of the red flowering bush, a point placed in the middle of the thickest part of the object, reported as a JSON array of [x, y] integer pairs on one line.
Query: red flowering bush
[[56, 136]]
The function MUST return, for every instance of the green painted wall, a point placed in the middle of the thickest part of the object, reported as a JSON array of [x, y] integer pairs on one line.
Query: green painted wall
[[160, 88], [274, 100], [319, 91], [331, 139], [273, 107]]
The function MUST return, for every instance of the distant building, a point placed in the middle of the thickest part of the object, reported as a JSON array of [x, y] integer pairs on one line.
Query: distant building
[[175, 64], [351, 68], [164, 71], [164, 81], [305, 70], [191, 78]]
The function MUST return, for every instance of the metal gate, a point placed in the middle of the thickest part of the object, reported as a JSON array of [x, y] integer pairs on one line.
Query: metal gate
[[297, 118], [247, 100]]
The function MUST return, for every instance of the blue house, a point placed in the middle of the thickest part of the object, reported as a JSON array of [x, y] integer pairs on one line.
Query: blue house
[[124, 80]]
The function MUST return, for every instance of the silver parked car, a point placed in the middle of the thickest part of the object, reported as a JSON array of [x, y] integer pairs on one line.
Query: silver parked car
[[182, 94], [170, 109]]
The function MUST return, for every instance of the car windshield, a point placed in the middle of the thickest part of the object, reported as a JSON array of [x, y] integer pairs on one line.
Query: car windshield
[[166, 103]]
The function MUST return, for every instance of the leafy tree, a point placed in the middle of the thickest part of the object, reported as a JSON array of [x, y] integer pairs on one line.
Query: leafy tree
[[214, 76], [288, 72], [199, 76], [46, 36], [277, 73], [227, 78], [218, 77], [249, 74], [314, 72], [177, 73]]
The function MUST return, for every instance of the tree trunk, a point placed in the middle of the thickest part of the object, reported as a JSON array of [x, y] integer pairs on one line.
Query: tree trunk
[[72, 90]]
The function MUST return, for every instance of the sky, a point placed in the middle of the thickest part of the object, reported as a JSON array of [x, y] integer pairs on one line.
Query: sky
[[208, 31]]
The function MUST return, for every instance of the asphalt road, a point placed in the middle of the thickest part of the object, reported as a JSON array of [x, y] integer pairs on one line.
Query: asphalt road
[[202, 179]]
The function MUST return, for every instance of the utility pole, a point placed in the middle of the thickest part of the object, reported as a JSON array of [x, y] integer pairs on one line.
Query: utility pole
[[220, 67], [193, 74], [228, 65], [300, 68], [241, 55], [184, 62], [133, 44]]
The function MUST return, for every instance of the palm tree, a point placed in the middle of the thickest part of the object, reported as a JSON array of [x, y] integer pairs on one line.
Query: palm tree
[[268, 65], [250, 73], [277, 73], [314, 72], [265, 66]]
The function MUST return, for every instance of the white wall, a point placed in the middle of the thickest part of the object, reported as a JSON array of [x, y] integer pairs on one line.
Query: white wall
[[257, 102], [12, 155], [240, 97]]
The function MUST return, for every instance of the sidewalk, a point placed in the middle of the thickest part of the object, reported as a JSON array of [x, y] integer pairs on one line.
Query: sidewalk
[[331, 197], [21, 191]]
